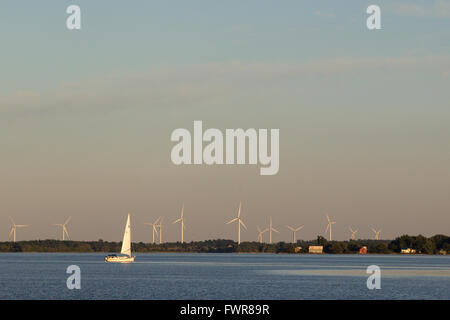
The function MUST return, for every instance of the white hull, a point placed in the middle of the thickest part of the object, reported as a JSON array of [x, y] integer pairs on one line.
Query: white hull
[[120, 259]]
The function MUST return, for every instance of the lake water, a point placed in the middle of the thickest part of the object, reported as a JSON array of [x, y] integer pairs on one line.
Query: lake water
[[224, 276]]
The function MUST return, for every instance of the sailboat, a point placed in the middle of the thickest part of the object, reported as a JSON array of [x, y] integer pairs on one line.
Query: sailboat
[[126, 247]]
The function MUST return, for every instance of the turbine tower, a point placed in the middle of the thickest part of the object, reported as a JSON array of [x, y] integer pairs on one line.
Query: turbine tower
[[377, 233], [181, 220], [14, 228], [330, 224], [260, 234], [353, 233], [63, 228], [160, 229], [294, 231], [239, 220], [154, 226], [271, 229]]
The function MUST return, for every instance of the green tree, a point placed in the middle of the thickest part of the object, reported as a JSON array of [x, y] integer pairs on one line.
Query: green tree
[[381, 248], [429, 247], [321, 241], [420, 242], [334, 247]]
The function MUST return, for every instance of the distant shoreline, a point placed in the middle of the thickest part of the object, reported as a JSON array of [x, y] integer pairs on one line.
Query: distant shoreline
[[438, 244], [231, 253]]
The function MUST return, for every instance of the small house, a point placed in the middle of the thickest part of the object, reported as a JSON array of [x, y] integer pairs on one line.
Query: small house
[[363, 250], [315, 249]]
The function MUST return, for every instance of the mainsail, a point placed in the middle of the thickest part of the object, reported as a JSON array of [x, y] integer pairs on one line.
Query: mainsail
[[126, 243]]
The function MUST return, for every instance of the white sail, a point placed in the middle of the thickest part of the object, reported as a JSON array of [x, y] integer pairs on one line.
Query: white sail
[[126, 243]]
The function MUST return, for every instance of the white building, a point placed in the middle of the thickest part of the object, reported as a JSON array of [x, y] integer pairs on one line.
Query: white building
[[315, 249], [408, 251]]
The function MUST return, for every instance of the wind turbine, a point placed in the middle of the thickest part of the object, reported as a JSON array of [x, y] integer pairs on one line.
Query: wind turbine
[[353, 232], [239, 220], [181, 220], [63, 228], [271, 229], [330, 224], [14, 228], [260, 234], [153, 225], [160, 229], [377, 233], [294, 231]]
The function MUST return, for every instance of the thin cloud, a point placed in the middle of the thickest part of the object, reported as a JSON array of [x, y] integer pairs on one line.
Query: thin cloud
[[193, 84]]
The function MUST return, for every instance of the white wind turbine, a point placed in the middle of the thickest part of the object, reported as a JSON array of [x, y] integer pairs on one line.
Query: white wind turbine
[[353, 233], [181, 220], [377, 233], [154, 226], [14, 228], [294, 231], [260, 234], [160, 229], [239, 220], [329, 226], [271, 229], [63, 228]]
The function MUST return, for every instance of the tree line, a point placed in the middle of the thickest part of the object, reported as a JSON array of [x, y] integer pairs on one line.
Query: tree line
[[432, 245]]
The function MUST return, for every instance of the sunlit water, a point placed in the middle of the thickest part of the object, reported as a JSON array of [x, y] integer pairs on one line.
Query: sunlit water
[[224, 276]]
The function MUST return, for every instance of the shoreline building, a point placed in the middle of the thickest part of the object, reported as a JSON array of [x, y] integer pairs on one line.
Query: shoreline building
[[363, 250], [315, 249]]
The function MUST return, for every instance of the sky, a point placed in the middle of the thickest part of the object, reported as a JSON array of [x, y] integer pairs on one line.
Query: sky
[[86, 116]]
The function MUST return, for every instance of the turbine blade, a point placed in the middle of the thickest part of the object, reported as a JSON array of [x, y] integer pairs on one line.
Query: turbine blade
[[243, 224], [176, 221], [290, 228], [12, 221], [239, 211], [67, 221], [299, 228], [273, 229], [233, 220], [67, 234]]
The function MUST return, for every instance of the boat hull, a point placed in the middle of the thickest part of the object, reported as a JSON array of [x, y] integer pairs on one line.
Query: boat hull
[[119, 259]]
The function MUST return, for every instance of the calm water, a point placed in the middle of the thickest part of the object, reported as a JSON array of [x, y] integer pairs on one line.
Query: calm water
[[224, 276]]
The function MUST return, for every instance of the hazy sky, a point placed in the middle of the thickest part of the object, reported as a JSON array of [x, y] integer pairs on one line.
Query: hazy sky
[[86, 116]]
